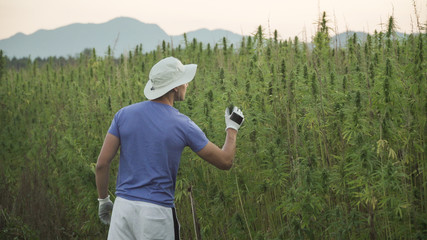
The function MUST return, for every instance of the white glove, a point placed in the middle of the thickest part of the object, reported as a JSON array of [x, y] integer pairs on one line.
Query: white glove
[[104, 211], [234, 119]]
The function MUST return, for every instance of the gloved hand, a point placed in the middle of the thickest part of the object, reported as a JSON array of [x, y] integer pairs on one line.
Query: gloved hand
[[234, 119], [104, 211]]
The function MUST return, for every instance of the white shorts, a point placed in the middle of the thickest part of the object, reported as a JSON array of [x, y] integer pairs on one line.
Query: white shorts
[[138, 220]]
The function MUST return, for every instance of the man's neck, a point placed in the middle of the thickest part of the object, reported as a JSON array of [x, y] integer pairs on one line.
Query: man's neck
[[165, 99]]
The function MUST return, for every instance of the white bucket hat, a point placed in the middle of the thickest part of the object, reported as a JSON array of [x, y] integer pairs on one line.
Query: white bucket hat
[[167, 74]]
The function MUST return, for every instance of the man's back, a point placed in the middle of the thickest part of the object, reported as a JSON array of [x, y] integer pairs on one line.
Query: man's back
[[152, 137]]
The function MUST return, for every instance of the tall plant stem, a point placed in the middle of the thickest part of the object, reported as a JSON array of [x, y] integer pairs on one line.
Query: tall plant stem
[[243, 210], [195, 219]]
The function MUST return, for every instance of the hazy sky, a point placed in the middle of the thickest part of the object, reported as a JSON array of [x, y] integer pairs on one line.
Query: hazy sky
[[289, 17]]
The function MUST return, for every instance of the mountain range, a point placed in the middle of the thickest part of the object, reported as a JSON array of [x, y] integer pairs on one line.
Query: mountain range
[[121, 34]]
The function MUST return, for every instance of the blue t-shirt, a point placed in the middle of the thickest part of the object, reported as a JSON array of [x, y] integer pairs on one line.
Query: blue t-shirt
[[152, 137]]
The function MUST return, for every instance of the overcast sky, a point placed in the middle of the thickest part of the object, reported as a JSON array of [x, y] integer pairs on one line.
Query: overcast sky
[[289, 17]]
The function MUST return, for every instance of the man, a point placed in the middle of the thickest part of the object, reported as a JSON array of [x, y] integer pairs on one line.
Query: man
[[152, 135]]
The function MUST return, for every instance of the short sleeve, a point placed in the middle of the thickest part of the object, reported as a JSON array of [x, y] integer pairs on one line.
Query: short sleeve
[[196, 138], [114, 127]]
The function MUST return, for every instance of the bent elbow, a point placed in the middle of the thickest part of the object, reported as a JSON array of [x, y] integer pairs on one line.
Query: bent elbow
[[227, 164], [227, 167]]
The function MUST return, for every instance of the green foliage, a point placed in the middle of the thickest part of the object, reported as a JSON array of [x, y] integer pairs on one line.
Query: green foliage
[[333, 145]]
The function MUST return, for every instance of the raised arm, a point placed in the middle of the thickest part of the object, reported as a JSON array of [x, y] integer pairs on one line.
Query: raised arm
[[221, 158]]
